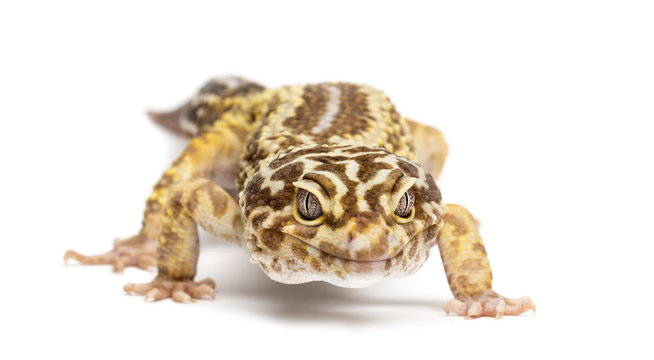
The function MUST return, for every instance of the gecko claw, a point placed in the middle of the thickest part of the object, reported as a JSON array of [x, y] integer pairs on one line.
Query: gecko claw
[[474, 310], [499, 309]]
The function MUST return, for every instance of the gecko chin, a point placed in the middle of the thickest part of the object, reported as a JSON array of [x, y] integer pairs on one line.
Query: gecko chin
[[300, 262]]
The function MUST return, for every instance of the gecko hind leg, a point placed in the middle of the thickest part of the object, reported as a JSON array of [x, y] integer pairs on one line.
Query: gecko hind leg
[[430, 147], [138, 250]]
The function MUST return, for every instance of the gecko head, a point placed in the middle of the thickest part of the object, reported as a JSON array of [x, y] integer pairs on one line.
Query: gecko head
[[348, 215]]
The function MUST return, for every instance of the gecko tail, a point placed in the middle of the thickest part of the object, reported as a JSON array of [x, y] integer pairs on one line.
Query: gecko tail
[[173, 120], [204, 109]]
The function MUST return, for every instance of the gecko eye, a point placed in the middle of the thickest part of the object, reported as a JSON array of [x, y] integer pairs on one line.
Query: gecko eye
[[308, 205], [405, 205]]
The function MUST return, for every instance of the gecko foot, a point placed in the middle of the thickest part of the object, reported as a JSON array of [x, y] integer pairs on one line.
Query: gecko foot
[[136, 251], [180, 291], [491, 304]]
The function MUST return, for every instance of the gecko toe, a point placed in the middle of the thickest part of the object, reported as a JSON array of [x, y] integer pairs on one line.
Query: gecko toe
[[474, 310], [520, 305], [182, 291], [499, 309], [456, 306], [136, 251], [156, 294], [491, 305], [202, 291], [181, 296]]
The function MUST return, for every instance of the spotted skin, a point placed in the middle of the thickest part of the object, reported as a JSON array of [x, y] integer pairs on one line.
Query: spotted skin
[[253, 150]]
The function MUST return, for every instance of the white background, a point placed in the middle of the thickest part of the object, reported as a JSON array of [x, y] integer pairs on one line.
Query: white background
[[547, 108]]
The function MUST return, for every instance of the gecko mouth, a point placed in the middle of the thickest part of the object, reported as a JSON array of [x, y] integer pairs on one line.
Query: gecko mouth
[[322, 253]]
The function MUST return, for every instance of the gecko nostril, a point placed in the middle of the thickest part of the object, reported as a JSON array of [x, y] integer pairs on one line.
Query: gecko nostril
[[349, 238]]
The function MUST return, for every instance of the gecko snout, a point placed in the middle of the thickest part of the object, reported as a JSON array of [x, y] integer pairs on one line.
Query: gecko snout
[[372, 245]]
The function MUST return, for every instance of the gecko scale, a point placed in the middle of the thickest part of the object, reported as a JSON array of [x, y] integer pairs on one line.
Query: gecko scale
[[323, 182]]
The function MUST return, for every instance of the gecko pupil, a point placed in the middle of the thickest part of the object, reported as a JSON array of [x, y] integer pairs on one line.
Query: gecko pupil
[[308, 205], [406, 204]]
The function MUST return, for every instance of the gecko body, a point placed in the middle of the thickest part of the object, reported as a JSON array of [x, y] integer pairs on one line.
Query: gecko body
[[322, 182]]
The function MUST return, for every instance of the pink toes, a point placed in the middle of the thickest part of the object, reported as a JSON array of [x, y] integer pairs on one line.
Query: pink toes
[[136, 251], [518, 306], [457, 307], [180, 291], [490, 305]]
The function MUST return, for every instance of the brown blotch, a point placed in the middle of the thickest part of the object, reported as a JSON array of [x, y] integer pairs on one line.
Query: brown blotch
[[258, 219], [204, 112], [299, 251], [326, 258], [431, 232], [276, 265], [408, 168], [361, 149], [479, 247], [388, 264], [315, 264], [176, 199], [253, 243], [433, 193], [218, 99], [305, 232], [462, 283], [368, 168], [413, 249], [245, 89], [153, 206], [296, 154], [256, 196], [289, 173], [378, 249], [373, 194], [272, 238], [164, 182], [214, 86], [459, 226], [325, 182], [291, 264], [328, 159], [218, 199], [409, 228], [471, 265]]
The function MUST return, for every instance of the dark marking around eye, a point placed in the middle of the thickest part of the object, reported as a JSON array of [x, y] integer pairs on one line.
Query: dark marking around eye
[[308, 205], [408, 168], [406, 204]]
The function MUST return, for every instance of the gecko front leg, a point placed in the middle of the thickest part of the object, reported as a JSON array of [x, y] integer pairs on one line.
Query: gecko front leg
[[192, 202], [468, 270], [200, 158], [220, 119]]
